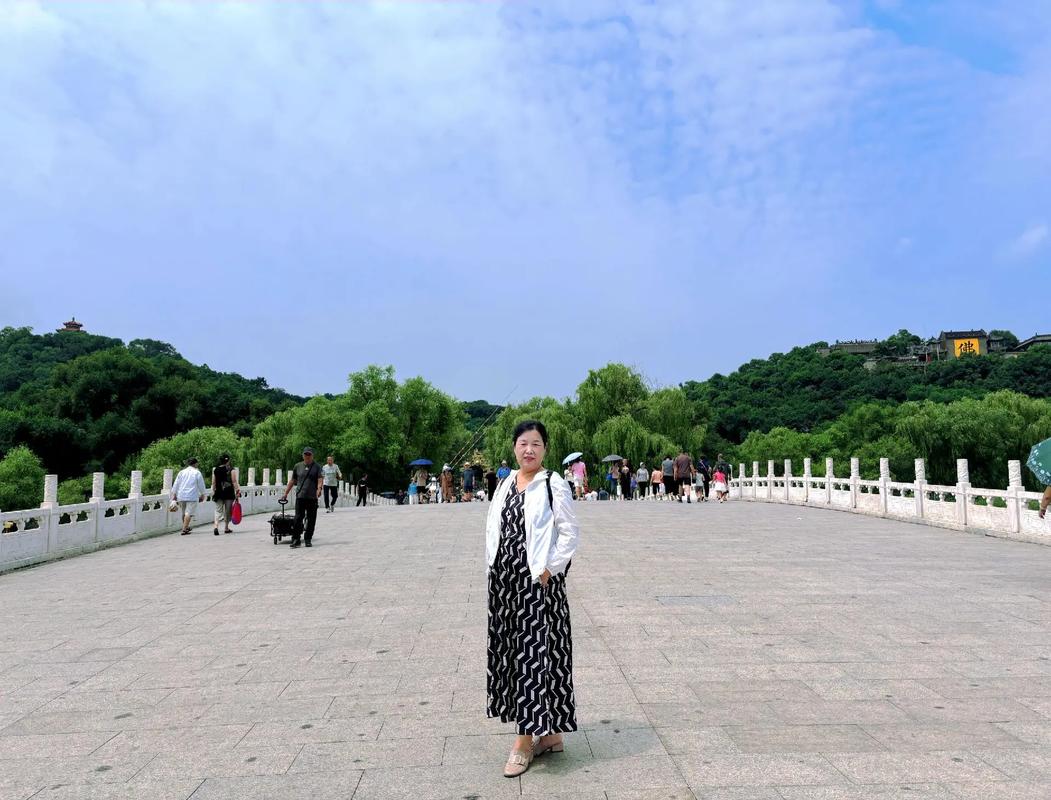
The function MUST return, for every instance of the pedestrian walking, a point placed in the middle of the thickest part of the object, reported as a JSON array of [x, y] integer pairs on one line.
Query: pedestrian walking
[[447, 484], [332, 477], [682, 468], [642, 478], [503, 471], [421, 484], [580, 472], [625, 480], [720, 485], [307, 478], [571, 479], [363, 490], [531, 535], [704, 469], [490, 484], [668, 475], [468, 482], [656, 483], [187, 492], [224, 491]]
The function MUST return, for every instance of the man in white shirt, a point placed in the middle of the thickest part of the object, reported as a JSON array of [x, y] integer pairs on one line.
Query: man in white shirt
[[188, 491], [330, 485]]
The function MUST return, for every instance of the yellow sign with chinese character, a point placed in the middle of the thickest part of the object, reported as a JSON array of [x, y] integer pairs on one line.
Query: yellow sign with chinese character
[[966, 347]]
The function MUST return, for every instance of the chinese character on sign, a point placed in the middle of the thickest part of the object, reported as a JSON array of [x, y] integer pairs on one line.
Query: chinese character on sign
[[967, 347]]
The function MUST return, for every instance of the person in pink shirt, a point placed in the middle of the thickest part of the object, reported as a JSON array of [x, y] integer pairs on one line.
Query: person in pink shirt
[[580, 472]]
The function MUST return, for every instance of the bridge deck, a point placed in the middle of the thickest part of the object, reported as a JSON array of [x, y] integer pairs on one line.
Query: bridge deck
[[740, 652]]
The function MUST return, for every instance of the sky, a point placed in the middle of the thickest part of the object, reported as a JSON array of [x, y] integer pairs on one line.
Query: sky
[[499, 196]]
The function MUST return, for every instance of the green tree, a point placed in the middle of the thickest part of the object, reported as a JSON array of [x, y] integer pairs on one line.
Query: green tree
[[21, 480], [205, 444], [608, 392]]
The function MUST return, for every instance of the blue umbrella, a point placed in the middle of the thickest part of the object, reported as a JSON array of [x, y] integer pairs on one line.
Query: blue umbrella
[[421, 462]]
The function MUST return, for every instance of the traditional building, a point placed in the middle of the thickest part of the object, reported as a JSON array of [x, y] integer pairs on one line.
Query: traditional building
[[953, 344], [1040, 338], [72, 325]]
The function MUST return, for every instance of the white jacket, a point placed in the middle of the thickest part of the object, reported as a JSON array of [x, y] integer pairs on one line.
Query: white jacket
[[551, 538], [189, 484]]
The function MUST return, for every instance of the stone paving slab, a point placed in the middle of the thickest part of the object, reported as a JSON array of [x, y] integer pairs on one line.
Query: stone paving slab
[[722, 652]]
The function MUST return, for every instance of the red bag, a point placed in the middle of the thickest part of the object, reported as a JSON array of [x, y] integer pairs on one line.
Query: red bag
[[235, 513]]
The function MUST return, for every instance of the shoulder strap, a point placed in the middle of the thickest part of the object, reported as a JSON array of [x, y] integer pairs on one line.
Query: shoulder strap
[[550, 496]]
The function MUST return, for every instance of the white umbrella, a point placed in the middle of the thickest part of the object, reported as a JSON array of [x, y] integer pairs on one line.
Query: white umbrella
[[571, 457]]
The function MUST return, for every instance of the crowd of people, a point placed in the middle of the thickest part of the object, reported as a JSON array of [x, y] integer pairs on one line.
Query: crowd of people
[[678, 479]]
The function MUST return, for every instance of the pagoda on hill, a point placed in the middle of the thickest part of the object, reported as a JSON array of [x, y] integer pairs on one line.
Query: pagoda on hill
[[72, 325]]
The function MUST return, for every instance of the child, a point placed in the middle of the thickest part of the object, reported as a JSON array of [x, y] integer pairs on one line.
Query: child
[[719, 485]]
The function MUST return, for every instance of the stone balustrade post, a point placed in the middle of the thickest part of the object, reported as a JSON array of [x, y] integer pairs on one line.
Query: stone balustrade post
[[884, 485], [770, 480], [808, 474], [135, 492], [829, 477], [98, 487], [963, 486], [742, 476], [919, 491], [1014, 494], [855, 476], [251, 476], [788, 480], [755, 479], [50, 491], [266, 476], [169, 481], [279, 480]]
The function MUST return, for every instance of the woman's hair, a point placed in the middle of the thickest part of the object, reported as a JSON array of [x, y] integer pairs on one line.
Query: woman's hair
[[530, 425], [224, 459]]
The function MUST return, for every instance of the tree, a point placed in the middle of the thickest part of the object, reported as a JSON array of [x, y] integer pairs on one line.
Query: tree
[[608, 392], [21, 480], [205, 444], [1009, 338]]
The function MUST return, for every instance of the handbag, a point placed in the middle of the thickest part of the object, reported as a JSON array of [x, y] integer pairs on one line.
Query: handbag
[[235, 513], [173, 506]]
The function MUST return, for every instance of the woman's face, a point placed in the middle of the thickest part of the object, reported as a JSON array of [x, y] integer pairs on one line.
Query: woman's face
[[530, 450]]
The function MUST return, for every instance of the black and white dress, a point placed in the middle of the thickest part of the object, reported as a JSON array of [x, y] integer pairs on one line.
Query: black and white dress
[[530, 674]]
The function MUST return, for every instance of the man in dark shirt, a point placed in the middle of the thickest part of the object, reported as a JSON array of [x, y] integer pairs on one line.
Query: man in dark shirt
[[306, 477], [363, 490], [683, 474]]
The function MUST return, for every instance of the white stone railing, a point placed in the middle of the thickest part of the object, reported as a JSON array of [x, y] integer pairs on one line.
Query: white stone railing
[[57, 531], [1007, 512]]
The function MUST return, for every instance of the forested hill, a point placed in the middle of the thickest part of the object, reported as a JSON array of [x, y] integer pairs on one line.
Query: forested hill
[[84, 402], [803, 389]]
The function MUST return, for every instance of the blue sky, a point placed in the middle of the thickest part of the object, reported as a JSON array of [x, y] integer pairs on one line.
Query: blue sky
[[499, 195]]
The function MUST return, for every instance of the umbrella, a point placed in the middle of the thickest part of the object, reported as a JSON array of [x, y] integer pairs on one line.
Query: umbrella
[[607, 459], [420, 462], [571, 458], [1040, 461]]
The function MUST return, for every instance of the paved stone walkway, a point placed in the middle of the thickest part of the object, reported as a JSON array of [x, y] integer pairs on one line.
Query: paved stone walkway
[[738, 652]]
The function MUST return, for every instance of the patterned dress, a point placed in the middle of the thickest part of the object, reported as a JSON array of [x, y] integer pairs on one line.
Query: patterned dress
[[530, 654]]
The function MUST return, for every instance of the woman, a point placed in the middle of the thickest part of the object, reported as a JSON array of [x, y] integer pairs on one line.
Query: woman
[[625, 480], [530, 536], [224, 491], [655, 481], [720, 484]]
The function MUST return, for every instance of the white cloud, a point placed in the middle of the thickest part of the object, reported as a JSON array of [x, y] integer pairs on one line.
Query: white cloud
[[775, 141], [1028, 242]]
